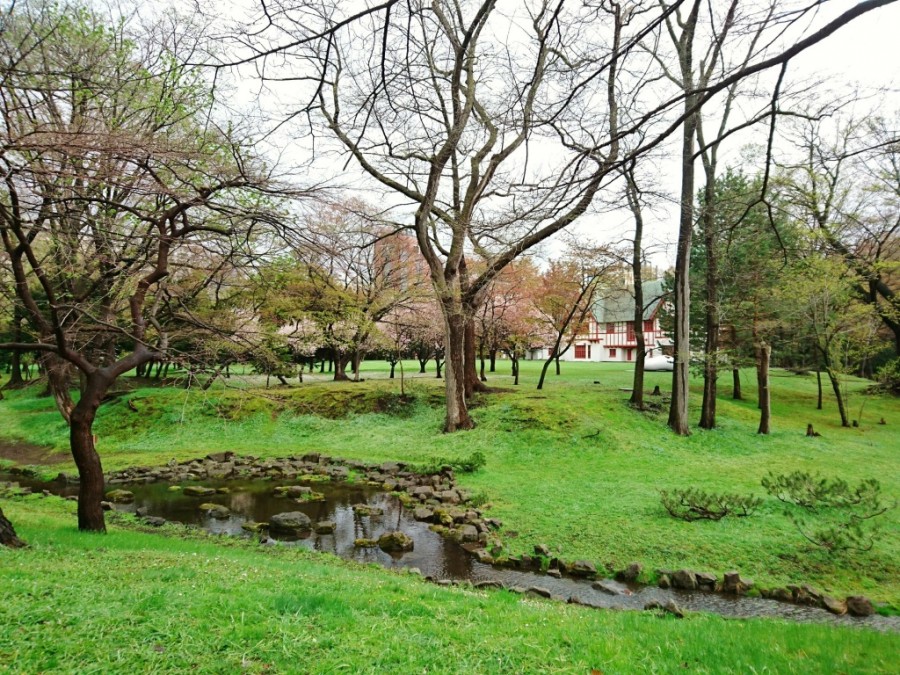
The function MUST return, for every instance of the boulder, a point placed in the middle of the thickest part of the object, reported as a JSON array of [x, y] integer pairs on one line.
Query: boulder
[[542, 549], [219, 456], [198, 491], [541, 592], [630, 573], [834, 606], [289, 522], [422, 513], [250, 526], [859, 605], [735, 584], [107, 506], [223, 470], [583, 568], [395, 541], [120, 496], [468, 533], [324, 527], [366, 510], [365, 543], [488, 584], [174, 488], [706, 581], [154, 521], [293, 491], [684, 579], [216, 511], [611, 587], [664, 581]]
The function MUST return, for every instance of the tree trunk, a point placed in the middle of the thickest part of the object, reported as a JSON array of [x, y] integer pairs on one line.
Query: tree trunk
[[90, 471], [393, 366], [438, 365], [15, 373], [514, 357], [340, 367], [819, 385], [472, 382], [545, 368], [736, 384], [763, 355], [557, 365], [481, 358], [422, 364], [493, 358], [839, 395], [8, 533], [710, 366], [454, 371], [678, 411]]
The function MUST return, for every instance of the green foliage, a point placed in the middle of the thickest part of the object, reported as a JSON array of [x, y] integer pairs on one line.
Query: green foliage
[[462, 464], [837, 517], [693, 504], [889, 376]]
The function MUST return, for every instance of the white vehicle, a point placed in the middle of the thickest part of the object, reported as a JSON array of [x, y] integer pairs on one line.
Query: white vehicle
[[660, 363]]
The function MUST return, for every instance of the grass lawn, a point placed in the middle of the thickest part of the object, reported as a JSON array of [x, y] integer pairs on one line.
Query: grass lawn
[[130, 601], [571, 466]]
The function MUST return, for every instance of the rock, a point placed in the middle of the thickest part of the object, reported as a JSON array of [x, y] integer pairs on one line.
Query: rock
[[859, 605], [468, 533], [611, 587], [583, 568], [324, 527], [422, 492], [199, 491], [293, 491], [289, 523], [668, 608], [174, 488], [224, 470], [120, 496], [781, 594], [141, 511], [706, 581], [484, 557], [684, 579], [154, 521], [422, 513], [664, 581], [834, 606], [395, 541], [541, 592], [805, 595], [488, 584], [542, 549], [366, 510], [250, 526], [493, 523], [216, 511], [107, 506], [220, 456], [554, 572], [735, 584], [630, 573], [311, 457], [365, 543]]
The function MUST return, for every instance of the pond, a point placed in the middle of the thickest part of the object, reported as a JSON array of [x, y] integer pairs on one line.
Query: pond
[[435, 556]]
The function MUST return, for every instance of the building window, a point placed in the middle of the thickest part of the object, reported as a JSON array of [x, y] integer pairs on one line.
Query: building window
[[612, 353], [610, 328], [629, 329], [580, 352], [648, 326]]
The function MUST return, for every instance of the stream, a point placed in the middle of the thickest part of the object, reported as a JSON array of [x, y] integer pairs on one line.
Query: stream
[[435, 556]]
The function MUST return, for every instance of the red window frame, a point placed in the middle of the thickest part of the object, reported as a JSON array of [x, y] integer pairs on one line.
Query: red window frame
[[612, 352], [580, 351], [610, 328]]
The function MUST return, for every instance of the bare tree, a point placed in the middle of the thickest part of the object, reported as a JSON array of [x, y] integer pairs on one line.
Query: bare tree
[[109, 178]]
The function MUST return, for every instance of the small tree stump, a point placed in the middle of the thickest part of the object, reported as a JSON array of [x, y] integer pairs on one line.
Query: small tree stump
[[656, 391], [8, 533], [811, 432], [881, 421]]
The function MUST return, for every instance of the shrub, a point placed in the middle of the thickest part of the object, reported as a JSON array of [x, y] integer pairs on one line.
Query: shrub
[[844, 517], [888, 376], [693, 504], [468, 464]]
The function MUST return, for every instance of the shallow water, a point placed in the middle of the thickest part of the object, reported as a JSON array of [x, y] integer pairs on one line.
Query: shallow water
[[434, 555]]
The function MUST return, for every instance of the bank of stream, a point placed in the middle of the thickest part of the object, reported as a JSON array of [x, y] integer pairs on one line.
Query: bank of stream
[[345, 514]]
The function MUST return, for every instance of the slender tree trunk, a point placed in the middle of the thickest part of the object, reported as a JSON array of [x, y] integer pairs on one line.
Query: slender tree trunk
[[393, 366], [438, 366], [90, 471], [819, 386], [454, 371], [763, 355], [493, 361], [557, 365], [838, 395], [711, 365], [15, 372], [514, 357], [8, 533], [736, 384], [545, 368], [481, 358], [422, 364]]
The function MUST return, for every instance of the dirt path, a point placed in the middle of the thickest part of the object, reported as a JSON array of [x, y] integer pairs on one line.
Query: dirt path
[[26, 453]]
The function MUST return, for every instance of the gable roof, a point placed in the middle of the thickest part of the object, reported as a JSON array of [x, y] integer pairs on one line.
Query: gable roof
[[617, 304]]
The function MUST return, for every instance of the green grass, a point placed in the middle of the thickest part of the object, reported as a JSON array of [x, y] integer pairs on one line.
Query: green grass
[[571, 466], [131, 601]]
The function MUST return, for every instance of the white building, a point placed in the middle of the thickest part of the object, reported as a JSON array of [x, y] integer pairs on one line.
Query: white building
[[610, 328]]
